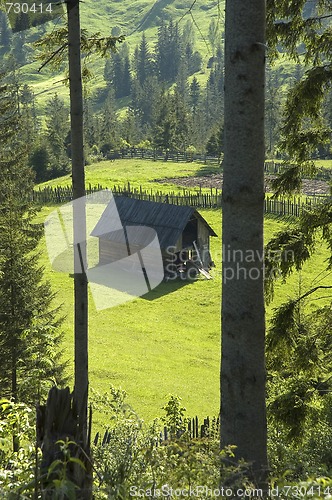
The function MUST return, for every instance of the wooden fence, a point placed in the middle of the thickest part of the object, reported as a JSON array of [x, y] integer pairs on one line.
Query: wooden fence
[[59, 194], [270, 167], [160, 155], [193, 429], [197, 199]]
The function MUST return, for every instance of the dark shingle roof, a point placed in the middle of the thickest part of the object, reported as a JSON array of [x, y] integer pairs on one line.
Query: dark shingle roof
[[167, 220]]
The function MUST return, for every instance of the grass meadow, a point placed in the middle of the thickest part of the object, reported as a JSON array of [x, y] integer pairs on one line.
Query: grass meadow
[[138, 172], [168, 341]]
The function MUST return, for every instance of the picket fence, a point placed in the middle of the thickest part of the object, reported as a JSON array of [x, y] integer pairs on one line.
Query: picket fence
[[193, 429], [197, 199]]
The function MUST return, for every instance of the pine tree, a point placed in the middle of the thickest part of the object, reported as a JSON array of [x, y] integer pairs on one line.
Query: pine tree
[[114, 73], [161, 49], [5, 32], [136, 92], [117, 72], [57, 127], [194, 62], [272, 109], [164, 126], [130, 130], [299, 343], [29, 325], [297, 386], [91, 126], [40, 161], [19, 48], [188, 34], [126, 78], [304, 127], [194, 94], [22, 22], [182, 85], [145, 100], [108, 71], [168, 51], [215, 144], [174, 50], [144, 63], [180, 112], [197, 125], [30, 124], [109, 128], [213, 35], [299, 338], [214, 97]]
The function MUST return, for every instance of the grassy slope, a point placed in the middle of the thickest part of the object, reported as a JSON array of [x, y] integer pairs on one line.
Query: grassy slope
[[169, 341], [137, 172], [128, 15]]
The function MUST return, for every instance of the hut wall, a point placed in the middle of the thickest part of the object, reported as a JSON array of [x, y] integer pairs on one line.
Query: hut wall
[[203, 243], [110, 251]]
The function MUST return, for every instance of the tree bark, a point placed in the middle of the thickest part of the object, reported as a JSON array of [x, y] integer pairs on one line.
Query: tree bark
[[79, 218], [243, 414]]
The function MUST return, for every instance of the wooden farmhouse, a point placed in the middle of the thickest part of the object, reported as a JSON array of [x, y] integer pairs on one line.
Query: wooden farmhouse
[[184, 235]]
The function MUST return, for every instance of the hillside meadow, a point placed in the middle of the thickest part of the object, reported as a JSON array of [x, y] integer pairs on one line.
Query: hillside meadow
[[130, 18], [137, 172], [168, 341]]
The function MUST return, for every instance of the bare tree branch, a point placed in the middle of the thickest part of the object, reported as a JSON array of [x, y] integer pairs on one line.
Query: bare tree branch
[[58, 51], [309, 292]]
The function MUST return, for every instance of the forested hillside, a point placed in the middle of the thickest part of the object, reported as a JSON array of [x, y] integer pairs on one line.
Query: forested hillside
[[163, 88], [168, 68]]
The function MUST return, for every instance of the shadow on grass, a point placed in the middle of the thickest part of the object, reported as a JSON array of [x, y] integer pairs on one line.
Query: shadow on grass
[[120, 286], [206, 170], [167, 287], [278, 217]]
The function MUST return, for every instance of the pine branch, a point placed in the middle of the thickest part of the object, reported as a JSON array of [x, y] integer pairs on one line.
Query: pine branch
[[49, 59], [291, 248], [318, 18], [90, 44], [313, 290]]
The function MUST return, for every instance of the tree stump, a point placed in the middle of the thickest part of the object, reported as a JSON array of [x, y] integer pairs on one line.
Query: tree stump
[[58, 421]]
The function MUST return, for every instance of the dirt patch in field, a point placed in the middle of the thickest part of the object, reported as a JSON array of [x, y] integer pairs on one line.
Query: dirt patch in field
[[309, 187]]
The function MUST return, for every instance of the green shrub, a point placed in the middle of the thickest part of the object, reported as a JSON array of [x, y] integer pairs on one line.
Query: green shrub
[[16, 467], [146, 144], [133, 458]]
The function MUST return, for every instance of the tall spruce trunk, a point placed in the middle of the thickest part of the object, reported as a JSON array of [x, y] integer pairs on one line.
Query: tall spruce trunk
[[79, 216], [243, 414]]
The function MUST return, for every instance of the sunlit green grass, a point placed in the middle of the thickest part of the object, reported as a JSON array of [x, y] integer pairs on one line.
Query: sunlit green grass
[[135, 172]]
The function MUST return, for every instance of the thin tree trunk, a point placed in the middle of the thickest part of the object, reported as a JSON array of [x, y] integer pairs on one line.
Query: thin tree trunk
[[243, 414], [16, 443], [79, 216]]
